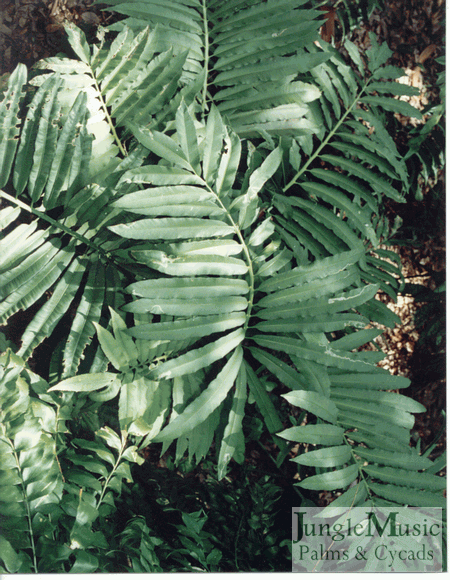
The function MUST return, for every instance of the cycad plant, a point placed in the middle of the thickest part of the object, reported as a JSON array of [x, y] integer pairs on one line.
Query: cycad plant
[[203, 196]]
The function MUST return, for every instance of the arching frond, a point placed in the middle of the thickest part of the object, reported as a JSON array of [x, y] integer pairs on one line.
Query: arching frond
[[212, 313], [205, 194], [249, 53], [68, 128], [45, 484]]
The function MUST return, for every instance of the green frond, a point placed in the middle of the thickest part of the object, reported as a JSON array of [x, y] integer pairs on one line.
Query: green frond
[[370, 380], [206, 402], [95, 473], [284, 372], [8, 215], [85, 383], [354, 496], [319, 269], [38, 265], [67, 128], [88, 312], [9, 119], [357, 216], [312, 352], [255, 72], [406, 495], [233, 442], [407, 460], [338, 479], [250, 53], [400, 477], [143, 406], [18, 285], [217, 176], [130, 81], [13, 252], [200, 358], [180, 24], [30, 477], [329, 211], [196, 326], [339, 302], [299, 292], [315, 434], [185, 260], [315, 403], [326, 457], [50, 314], [356, 402], [186, 289], [373, 412], [184, 390]]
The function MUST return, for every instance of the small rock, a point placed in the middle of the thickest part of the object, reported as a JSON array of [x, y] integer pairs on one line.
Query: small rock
[[90, 18]]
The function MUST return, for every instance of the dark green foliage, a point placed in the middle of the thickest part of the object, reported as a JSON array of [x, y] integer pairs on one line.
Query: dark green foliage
[[57, 491], [207, 225], [426, 145], [237, 524], [351, 13]]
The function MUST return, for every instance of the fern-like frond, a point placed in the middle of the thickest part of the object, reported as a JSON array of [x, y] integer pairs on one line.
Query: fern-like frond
[[95, 471], [52, 494], [248, 54], [347, 393], [199, 301], [31, 483], [129, 81], [69, 127], [238, 259], [258, 53], [210, 289], [181, 24], [9, 119], [333, 200], [217, 291], [374, 424]]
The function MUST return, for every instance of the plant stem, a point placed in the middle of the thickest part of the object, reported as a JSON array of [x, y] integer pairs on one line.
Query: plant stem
[[241, 520], [250, 273], [362, 477], [116, 465], [53, 222], [27, 505], [248, 258], [108, 117], [326, 141], [206, 46]]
